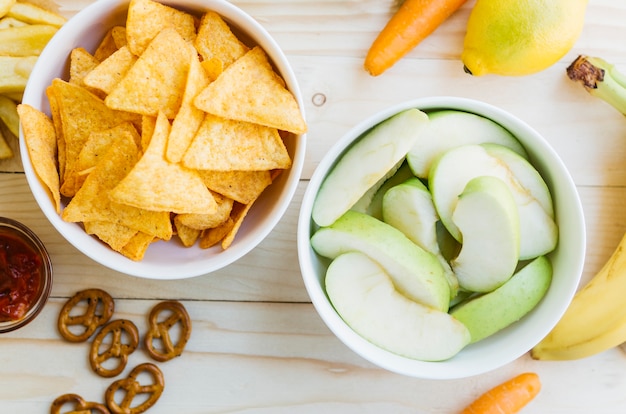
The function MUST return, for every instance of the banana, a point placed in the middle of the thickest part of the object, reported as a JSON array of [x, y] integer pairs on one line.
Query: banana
[[601, 79], [595, 320]]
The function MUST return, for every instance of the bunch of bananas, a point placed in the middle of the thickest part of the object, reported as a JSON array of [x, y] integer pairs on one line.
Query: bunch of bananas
[[25, 29], [596, 318]]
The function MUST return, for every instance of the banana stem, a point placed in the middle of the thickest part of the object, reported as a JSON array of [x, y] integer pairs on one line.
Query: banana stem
[[601, 79]]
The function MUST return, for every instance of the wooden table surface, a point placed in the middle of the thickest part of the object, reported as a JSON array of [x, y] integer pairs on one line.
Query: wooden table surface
[[258, 345]]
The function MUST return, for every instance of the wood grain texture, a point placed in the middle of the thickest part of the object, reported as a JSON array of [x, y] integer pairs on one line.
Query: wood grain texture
[[258, 345]]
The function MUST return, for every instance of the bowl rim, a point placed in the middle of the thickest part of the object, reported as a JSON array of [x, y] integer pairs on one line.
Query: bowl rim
[[29, 236], [63, 42], [547, 312]]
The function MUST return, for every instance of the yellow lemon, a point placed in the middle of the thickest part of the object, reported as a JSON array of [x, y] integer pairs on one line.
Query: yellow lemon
[[520, 37]]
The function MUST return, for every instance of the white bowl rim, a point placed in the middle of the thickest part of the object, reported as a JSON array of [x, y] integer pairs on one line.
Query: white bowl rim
[[470, 361], [187, 267]]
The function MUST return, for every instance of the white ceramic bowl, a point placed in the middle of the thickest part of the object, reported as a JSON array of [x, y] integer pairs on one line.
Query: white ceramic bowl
[[163, 260], [508, 344]]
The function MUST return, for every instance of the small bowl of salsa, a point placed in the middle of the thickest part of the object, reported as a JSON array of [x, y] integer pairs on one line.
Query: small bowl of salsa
[[25, 275]]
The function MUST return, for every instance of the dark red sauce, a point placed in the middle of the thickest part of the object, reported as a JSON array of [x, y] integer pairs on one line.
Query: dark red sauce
[[20, 276]]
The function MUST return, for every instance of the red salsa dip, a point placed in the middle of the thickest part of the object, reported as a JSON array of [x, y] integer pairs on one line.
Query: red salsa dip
[[21, 275]]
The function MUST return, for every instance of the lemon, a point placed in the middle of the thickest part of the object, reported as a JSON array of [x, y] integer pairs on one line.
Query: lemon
[[520, 37]]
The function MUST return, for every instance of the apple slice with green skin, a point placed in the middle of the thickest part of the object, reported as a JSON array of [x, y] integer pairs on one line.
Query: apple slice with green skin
[[489, 313], [409, 208], [456, 167], [449, 129], [416, 273], [486, 215], [365, 163], [365, 298]]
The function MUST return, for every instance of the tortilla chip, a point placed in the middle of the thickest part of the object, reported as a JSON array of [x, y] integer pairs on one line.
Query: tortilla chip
[[189, 118], [225, 145], [154, 83], [147, 129], [81, 113], [215, 40], [187, 235], [207, 221], [41, 141], [210, 237], [213, 68], [147, 18], [106, 47], [249, 90], [106, 75], [58, 129], [81, 63], [238, 214], [93, 202], [115, 235], [118, 33], [99, 143], [136, 248], [241, 186], [158, 185]]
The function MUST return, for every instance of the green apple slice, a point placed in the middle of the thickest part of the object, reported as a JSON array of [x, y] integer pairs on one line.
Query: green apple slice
[[365, 298], [416, 273], [365, 163], [456, 167], [489, 313], [409, 208], [486, 215], [449, 129]]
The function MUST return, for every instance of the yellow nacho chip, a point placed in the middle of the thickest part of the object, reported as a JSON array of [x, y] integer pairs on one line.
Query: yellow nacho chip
[[136, 248], [147, 18], [154, 82], [207, 221], [249, 90], [81, 113], [115, 235], [81, 63], [223, 145], [215, 40], [106, 75], [187, 235], [158, 185], [106, 47], [99, 143], [58, 129], [40, 137], [238, 214], [210, 237], [188, 118], [213, 68], [241, 186], [93, 202]]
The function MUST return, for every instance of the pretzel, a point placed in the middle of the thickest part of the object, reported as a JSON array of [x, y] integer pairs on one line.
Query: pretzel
[[160, 331], [79, 405], [131, 387], [100, 306], [117, 348]]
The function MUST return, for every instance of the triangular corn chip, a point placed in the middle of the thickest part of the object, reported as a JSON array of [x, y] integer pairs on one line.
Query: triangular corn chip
[[158, 185], [187, 235], [41, 142], [207, 221], [110, 71], [115, 235], [81, 63], [99, 143], [223, 145], [154, 82], [249, 90], [146, 18], [241, 186], [189, 118], [215, 40], [136, 248]]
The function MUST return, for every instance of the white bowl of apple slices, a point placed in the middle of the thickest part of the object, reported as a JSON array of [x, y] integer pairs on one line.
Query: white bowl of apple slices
[[441, 238]]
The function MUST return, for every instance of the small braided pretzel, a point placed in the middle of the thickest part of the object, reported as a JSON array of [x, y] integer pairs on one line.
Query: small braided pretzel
[[160, 330], [131, 388], [78, 405], [117, 348], [100, 306]]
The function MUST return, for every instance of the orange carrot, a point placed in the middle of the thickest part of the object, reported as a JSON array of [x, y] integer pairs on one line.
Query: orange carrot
[[412, 23], [507, 398]]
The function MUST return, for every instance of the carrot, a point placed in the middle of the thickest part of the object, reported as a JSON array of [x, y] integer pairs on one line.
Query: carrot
[[412, 23], [507, 398]]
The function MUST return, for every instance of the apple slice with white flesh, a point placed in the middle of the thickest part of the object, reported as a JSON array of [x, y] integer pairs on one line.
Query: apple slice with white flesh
[[365, 163], [409, 208], [489, 313], [451, 128], [486, 215], [365, 298], [456, 167], [416, 273]]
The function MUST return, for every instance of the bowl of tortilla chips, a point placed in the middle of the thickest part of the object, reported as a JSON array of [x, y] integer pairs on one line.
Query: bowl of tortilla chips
[[163, 139]]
